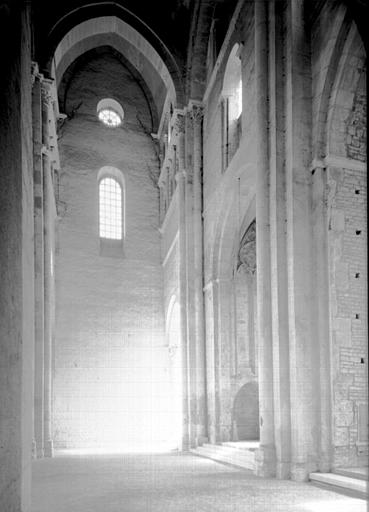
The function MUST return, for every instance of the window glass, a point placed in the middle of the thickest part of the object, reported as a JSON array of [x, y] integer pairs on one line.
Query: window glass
[[110, 209]]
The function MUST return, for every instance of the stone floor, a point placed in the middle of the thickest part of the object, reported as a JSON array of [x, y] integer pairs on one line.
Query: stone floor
[[170, 483]]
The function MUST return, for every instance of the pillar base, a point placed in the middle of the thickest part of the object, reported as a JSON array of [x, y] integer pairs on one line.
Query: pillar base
[[37, 450], [185, 444], [300, 471], [201, 439], [325, 467], [325, 464], [48, 448], [283, 470], [265, 460], [34, 451], [40, 453]]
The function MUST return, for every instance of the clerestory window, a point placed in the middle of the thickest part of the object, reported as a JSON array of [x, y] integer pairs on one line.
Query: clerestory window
[[110, 209]]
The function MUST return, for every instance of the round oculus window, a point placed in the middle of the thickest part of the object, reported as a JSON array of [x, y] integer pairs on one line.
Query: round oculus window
[[109, 117]]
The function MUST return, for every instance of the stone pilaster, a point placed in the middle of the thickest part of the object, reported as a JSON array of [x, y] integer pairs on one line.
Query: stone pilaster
[[197, 116], [321, 311], [39, 268], [265, 457], [48, 275], [303, 347], [211, 299], [278, 242], [181, 184]]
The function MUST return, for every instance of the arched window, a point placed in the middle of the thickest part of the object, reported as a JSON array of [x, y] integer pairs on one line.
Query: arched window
[[111, 216], [232, 106], [110, 209]]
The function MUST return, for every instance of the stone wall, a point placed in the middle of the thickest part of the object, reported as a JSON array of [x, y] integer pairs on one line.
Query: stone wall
[[110, 360], [348, 275], [347, 239], [16, 259]]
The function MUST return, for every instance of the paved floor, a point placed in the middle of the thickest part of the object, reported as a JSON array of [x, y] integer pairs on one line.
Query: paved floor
[[170, 483]]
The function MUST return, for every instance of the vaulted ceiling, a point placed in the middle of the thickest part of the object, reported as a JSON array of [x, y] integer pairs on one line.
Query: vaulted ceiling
[[177, 30]]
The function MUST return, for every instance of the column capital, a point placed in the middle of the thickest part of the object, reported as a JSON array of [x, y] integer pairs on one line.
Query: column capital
[[196, 112], [179, 122], [46, 95]]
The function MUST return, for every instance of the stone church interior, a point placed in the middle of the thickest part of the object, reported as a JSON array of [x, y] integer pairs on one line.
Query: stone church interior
[[183, 258]]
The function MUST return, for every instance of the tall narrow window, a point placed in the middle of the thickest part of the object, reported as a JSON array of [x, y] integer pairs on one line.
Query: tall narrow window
[[110, 209], [232, 106]]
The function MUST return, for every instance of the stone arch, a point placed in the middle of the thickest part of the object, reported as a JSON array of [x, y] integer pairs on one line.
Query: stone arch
[[340, 32], [235, 208], [236, 212], [157, 67], [246, 412]]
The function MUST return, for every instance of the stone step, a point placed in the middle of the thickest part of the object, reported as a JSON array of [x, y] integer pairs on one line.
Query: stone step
[[360, 473], [232, 451], [240, 457], [341, 482], [243, 445], [227, 458], [235, 454]]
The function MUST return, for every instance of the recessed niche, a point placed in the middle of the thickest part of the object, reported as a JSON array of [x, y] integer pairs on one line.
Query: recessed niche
[[358, 231]]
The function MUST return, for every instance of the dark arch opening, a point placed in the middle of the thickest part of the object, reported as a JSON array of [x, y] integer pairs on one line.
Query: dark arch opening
[[246, 412]]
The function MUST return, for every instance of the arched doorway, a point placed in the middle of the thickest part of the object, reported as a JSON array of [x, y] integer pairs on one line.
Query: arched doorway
[[246, 412]]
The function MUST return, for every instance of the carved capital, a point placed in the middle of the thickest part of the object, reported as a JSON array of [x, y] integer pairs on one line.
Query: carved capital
[[46, 95], [197, 113], [247, 251], [179, 123]]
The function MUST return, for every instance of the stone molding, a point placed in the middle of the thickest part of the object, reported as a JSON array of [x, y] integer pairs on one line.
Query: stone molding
[[338, 161]]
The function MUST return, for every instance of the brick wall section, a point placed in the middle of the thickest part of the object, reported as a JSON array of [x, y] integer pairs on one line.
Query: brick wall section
[[348, 273], [110, 355]]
